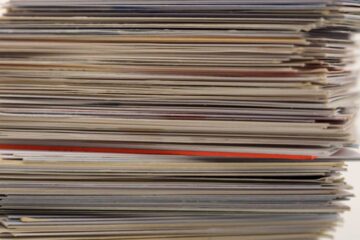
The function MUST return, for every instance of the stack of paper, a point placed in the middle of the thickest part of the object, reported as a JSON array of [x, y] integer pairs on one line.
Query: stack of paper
[[169, 119]]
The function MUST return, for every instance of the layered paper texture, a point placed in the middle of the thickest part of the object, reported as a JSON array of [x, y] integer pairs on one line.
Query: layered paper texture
[[168, 119]]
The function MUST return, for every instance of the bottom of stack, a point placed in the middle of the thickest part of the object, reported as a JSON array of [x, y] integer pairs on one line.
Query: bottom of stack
[[73, 196]]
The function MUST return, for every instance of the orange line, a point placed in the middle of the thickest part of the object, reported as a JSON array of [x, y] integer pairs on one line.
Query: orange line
[[155, 152]]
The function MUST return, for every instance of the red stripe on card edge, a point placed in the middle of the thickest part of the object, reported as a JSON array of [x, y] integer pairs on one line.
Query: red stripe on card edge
[[155, 152]]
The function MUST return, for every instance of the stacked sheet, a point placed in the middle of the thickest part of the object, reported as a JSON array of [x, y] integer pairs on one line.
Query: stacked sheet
[[159, 119]]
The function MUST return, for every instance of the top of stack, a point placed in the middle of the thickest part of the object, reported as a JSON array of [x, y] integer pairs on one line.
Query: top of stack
[[263, 79]]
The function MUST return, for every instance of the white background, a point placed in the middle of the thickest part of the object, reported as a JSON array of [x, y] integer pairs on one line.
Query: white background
[[350, 228]]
